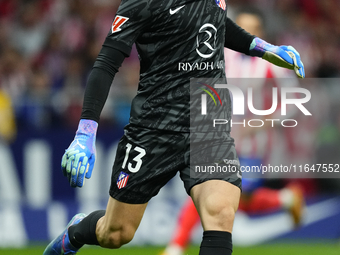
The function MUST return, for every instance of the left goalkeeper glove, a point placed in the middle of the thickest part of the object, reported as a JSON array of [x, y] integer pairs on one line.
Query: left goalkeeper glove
[[283, 56], [78, 160]]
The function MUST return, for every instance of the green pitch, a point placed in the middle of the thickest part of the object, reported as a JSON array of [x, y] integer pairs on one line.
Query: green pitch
[[277, 249]]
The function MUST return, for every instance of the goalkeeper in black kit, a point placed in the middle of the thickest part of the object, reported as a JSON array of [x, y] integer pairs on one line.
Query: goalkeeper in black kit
[[176, 40]]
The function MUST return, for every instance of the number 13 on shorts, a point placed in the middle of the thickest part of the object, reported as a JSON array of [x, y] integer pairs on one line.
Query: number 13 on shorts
[[134, 164]]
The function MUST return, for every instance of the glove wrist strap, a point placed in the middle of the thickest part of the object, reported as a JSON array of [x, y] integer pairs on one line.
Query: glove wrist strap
[[257, 47], [87, 127]]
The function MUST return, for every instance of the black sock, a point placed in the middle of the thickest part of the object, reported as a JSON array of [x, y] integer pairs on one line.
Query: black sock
[[217, 243], [85, 231]]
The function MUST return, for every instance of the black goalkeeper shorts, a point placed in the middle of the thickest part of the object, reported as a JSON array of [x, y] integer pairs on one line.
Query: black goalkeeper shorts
[[147, 159]]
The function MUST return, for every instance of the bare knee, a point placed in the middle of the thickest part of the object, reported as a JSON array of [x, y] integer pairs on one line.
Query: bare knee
[[115, 238], [119, 224], [217, 202], [219, 216]]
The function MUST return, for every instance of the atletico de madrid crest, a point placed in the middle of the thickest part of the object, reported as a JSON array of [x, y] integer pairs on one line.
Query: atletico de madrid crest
[[122, 180], [221, 4]]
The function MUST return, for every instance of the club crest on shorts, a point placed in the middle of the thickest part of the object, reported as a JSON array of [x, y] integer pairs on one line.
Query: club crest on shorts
[[221, 4], [122, 180]]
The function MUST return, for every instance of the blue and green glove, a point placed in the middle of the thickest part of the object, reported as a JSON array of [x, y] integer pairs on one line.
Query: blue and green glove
[[283, 56], [78, 160]]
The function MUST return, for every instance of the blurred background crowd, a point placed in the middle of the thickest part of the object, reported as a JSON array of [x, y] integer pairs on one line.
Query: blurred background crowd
[[48, 47]]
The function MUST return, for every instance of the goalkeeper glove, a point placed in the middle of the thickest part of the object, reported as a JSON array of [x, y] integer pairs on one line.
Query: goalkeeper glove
[[78, 160], [283, 56]]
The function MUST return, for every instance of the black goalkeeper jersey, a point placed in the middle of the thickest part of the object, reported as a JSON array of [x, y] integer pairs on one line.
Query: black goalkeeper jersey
[[176, 40]]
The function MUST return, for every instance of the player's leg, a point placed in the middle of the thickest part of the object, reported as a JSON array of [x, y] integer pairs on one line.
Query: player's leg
[[110, 229], [264, 200], [137, 176], [187, 220], [145, 161], [258, 199], [216, 202], [119, 224], [215, 192]]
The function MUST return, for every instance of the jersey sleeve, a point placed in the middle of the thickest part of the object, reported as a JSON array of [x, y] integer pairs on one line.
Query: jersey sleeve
[[132, 18], [130, 21], [236, 38]]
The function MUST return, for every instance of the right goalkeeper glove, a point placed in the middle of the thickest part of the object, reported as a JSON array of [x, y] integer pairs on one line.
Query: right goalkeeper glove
[[283, 56], [78, 160]]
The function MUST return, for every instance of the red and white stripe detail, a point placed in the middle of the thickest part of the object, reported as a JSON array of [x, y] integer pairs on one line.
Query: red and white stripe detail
[[122, 183], [222, 4]]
